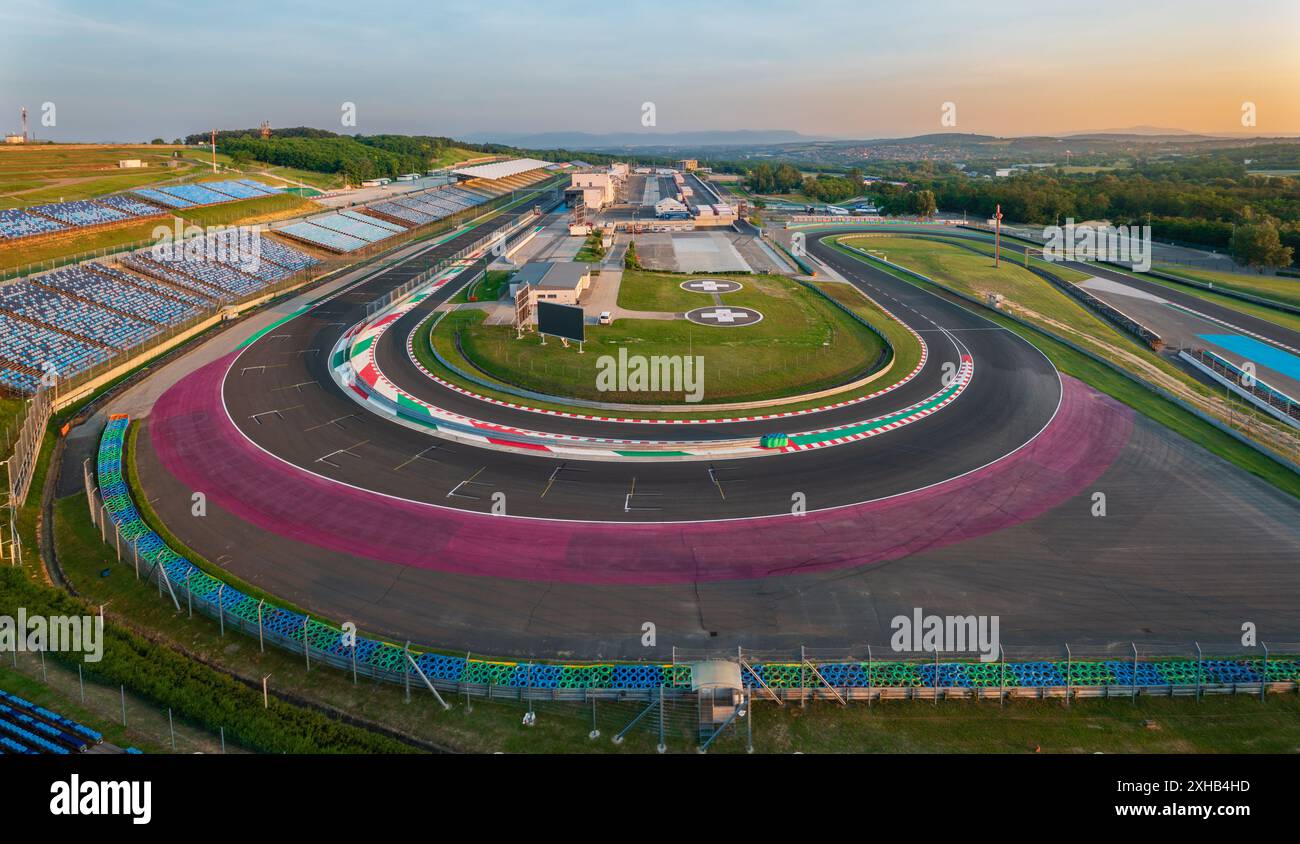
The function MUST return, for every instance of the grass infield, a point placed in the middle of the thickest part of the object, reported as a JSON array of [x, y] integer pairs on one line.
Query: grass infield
[[804, 344]]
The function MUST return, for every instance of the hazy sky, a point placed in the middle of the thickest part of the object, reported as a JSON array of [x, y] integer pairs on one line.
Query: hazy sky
[[135, 69]]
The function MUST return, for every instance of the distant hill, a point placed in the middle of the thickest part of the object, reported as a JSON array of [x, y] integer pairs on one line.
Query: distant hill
[[631, 140]]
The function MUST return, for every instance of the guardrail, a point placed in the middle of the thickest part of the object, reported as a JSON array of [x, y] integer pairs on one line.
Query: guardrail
[[1272, 401], [1177, 279], [1223, 291], [1269, 452], [1104, 673], [521, 222], [1104, 309]]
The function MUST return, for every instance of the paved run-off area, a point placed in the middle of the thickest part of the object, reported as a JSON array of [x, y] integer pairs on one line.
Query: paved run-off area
[[1188, 548]]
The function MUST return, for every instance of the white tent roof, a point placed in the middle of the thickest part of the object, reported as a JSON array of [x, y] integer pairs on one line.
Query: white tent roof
[[501, 169]]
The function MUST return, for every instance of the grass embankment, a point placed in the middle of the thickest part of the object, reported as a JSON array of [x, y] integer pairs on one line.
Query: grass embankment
[[1108, 381], [1264, 312], [1238, 724], [31, 689], [155, 672], [488, 289], [50, 252], [1280, 288], [803, 344], [12, 413], [41, 173], [1030, 297], [592, 251], [1276, 287]]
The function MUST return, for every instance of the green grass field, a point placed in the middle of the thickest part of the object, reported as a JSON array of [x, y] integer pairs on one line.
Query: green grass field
[[1031, 298], [1275, 287], [1264, 312], [975, 275], [1156, 725], [489, 289], [1144, 401], [30, 175], [1240, 724], [907, 353], [803, 344], [57, 250]]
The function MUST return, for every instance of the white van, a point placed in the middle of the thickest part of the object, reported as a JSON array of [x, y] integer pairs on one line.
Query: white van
[[605, 318]]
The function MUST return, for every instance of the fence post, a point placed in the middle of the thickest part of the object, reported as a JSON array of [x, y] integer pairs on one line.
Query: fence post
[[81, 683], [595, 733], [1135, 671], [749, 717], [803, 678], [406, 669], [1198, 671], [1069, 671], [221, 608], [123, 689], [306, 648], [469, 705], [1002, 687], [189, 592], [936, 676], [1263, 674], [261, 638], [171, 727], [661, 746], [870, 679]]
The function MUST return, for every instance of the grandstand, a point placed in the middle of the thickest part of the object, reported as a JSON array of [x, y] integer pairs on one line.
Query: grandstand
[[60, 217], [129, 205], [374, 221], [347, 231], [223, 277], [324, 237], [99, 288], [82, 213], [502, 170], [240, 188], [26, 347], [26, 728], [16, 223], [75, 317], [48, 307], [164, 199]]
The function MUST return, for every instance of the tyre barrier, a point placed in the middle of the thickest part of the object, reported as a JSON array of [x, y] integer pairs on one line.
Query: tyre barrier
[[375, 658]]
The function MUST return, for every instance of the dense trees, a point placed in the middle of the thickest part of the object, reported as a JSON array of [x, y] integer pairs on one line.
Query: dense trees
[[357, 158], [1256, 243], [1195, 201], [782, 178]]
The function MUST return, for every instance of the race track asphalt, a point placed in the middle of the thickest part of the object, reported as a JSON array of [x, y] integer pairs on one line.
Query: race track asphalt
[[280, 395], [349, 515]]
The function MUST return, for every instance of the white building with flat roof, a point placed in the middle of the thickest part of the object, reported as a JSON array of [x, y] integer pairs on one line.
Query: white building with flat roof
[[560, 282]]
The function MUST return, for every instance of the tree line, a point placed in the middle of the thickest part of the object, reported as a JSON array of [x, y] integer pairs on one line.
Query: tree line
[[1209, 201]]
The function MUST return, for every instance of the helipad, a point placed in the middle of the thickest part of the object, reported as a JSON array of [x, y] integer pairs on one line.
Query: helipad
[[724, 316], [711, 285]]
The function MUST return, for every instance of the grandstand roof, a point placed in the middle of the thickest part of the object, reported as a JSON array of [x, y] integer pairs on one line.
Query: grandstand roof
[[501, 169]]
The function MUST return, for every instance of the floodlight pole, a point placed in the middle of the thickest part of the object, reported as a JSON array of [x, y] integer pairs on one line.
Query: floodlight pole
[[997, 237]]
